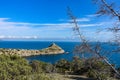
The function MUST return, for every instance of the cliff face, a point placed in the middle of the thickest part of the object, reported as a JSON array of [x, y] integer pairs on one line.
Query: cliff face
[[52, 49]]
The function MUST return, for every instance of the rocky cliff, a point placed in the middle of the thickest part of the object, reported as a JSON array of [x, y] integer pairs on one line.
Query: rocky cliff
[[52, 49]]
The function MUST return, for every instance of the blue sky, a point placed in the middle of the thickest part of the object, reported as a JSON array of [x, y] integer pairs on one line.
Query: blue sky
[[48, 20]]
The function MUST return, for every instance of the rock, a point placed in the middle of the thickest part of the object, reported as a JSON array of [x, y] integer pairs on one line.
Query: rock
[[52, 49]]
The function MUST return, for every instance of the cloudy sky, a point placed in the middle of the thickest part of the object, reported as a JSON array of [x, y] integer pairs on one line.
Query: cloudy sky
[[48, 20]]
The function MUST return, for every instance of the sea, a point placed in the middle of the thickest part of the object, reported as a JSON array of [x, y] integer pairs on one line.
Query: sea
[[69, 47]]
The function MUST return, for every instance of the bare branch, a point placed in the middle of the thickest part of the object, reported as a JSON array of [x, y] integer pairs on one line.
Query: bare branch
[[85, 47], [106, 8], [76, 27]]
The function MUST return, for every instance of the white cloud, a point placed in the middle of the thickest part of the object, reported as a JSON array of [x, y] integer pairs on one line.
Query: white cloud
[[92, 15], [18, 37], [83, 19], [22, 30], [91, 25], [4, 19], [22, 26], [16, 30]]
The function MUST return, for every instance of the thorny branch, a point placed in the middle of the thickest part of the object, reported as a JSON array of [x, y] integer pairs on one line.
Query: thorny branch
[[107, 9], [115, 13], [85, 45]]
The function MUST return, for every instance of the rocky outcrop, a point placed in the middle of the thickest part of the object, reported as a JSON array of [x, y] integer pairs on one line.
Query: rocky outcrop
[[52, 49]]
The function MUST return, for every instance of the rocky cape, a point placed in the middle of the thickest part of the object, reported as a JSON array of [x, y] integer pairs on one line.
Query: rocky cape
[[52, 49]]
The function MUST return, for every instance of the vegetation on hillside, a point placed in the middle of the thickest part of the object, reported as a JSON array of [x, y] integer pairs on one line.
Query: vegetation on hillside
[[16, 68], [92, 68]]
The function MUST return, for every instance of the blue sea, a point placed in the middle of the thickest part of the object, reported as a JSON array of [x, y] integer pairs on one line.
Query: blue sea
[[67, 46]]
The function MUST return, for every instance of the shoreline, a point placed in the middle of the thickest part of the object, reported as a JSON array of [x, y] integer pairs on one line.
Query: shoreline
[[52, 49]]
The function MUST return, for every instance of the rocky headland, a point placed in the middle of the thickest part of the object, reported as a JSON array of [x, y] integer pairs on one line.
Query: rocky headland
[[52, 49]]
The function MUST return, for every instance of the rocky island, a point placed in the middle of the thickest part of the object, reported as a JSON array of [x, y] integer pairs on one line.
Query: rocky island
[[52, 49]]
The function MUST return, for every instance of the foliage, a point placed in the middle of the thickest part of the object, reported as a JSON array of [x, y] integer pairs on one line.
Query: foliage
[[13, 67], [91, 67], [98, 69], [97, 75], [62, 65], [39, 66]]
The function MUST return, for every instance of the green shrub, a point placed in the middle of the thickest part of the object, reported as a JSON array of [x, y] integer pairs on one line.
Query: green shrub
[[63, 65], [91, 67], [39, 66], [48, 68], [97, 75], [13, 66], [77, 65], [98, 69]]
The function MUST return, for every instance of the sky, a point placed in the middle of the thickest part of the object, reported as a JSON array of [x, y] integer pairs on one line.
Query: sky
[[48, 20]]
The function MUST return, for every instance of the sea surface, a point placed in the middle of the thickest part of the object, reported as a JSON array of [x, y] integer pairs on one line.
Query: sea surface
[[67, 46]]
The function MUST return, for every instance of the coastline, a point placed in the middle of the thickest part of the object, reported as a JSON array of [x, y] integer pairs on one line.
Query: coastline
[[52, 49]]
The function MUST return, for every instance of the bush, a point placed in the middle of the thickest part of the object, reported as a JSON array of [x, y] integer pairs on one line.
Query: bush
[[63, 65], [39, 66], [97, 75], [48, 68], [77, 65], [92, 67], [13, 66], [98, 69]]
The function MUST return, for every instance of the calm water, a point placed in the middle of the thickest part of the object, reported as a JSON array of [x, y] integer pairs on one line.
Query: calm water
[[67, 46]]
